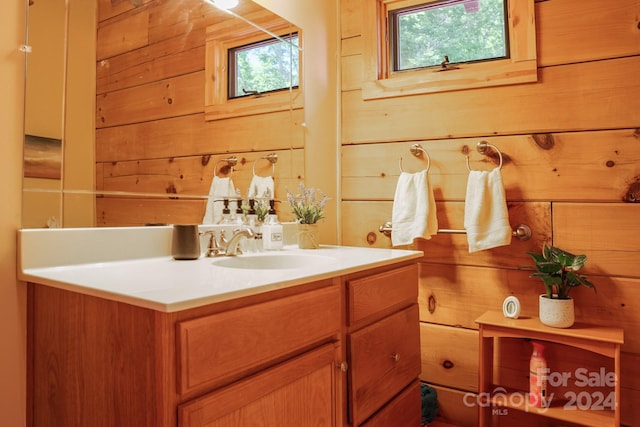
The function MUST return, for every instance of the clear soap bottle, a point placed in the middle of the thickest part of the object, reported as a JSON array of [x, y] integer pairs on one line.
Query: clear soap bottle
[[272, 238]]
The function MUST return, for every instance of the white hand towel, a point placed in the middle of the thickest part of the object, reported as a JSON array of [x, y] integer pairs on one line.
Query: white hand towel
[[414, 209], [261, 186], [220, 188], [486, 217]]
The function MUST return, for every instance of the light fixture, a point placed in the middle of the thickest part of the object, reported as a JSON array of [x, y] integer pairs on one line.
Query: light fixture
[[225, 4]]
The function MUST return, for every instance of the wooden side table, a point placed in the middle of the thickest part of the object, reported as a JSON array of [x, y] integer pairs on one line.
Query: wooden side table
[[602, 340]]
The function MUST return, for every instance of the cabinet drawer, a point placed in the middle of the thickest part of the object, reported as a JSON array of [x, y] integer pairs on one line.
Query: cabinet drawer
[[385, 358], [297, 393], [373, 295], [225, 346], [404, 410]]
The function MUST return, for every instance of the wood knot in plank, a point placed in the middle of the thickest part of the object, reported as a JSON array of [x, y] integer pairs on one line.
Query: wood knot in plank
[[632, 195], [371, 237], [205, 159], [431, 303], [544, 140]]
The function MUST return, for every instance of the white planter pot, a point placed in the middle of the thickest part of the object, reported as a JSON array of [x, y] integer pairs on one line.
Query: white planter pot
[[557, 313]]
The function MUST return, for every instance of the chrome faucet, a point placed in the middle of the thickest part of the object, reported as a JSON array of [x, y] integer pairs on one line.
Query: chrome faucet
[[231, 246]]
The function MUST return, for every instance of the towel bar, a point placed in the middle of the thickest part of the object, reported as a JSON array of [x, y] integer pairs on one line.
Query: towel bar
[[521, 232]]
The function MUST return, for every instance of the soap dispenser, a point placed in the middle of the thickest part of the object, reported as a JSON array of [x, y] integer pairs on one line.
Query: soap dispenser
[[253, 244], [238, 217], [226, 212], [272, 230]]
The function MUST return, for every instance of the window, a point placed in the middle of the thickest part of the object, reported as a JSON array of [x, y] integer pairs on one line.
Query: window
[[263, 67], [479, 43], [461, 30], [248, 72]]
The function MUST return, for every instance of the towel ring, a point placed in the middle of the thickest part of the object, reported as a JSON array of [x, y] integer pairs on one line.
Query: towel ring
[[232, 161], [417, 150], [482, 149], [272, 158]]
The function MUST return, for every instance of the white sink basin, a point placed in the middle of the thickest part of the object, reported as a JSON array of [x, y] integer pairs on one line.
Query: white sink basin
[[279, 261]]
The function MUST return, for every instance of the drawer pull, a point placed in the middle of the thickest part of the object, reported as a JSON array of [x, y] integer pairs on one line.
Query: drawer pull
[[396, 357], [447, 364], [344, 366]]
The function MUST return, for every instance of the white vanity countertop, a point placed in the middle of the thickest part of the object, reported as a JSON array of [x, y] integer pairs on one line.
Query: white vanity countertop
[[114, 264]]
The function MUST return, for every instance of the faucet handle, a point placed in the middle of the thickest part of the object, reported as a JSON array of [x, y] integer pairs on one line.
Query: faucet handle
[[213, 249]]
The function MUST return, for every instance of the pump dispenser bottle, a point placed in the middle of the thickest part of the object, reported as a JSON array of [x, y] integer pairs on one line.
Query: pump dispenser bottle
[[272, 230], [239, 216], [538, 376], [226, 212]]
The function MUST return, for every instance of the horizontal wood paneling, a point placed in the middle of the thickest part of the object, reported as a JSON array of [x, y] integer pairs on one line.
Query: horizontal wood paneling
[[126, 70], [587, 228], [585, 96], [193, 175], [449, 356], [192, 135], [456, 295], [127, 32], [567, 31], [456, 408], [570, 32], [362, 219], [151, 133], [177, 96], [554, 166], [571, 171], [130, 211], [109, 8]]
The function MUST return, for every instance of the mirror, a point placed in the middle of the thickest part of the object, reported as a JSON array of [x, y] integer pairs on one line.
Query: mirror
[[136, 147]]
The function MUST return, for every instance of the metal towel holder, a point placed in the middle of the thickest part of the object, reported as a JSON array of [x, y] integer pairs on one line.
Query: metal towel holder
[[271, 157], [521, 232], [232, 161]]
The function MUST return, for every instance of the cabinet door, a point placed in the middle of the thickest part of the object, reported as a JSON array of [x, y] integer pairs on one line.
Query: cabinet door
[[385, 358], [301, 392]]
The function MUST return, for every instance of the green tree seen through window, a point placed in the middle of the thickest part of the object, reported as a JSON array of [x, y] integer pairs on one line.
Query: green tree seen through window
[[463, 30], [264, 67]]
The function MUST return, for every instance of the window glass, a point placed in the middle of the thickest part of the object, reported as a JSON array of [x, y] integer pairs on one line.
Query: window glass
[[265, 66], [461, 30]]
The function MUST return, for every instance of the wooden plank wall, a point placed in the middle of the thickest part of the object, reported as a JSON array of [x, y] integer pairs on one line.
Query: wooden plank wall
[[571, 147], [151, 134]]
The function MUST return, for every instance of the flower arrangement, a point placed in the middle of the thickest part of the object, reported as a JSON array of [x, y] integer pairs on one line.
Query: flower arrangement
[[308, 205]]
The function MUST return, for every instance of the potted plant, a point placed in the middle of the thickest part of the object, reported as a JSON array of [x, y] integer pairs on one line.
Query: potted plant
[[308, 208], [558, 270]]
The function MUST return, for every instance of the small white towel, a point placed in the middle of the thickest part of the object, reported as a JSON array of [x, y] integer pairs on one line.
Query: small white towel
[[414, 209], [486, 217], [261, 186], [220, 188]]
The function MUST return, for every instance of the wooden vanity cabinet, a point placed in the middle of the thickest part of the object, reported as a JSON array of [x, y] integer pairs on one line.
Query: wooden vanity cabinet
[[383, 347], [96, 362], [342, 351]]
